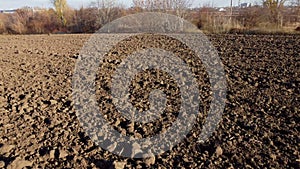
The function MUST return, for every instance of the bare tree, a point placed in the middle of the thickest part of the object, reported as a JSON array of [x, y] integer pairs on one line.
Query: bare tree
[[178, 7], [274, 4], [181, 7], [86, 20], [108, 10], [296, 5], [275, 8], [250, 17]]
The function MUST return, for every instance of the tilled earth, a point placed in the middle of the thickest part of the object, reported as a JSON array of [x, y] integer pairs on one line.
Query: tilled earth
[[259, 127]]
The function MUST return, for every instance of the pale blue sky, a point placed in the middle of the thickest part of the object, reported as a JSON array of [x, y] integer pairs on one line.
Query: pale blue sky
[[13, 4]]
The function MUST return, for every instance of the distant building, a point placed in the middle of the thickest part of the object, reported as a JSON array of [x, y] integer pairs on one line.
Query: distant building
[[222, 10], [29, 9], [245, 5], [8, 11]]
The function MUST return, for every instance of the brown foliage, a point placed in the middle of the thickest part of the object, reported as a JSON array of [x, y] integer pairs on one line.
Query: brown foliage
[[14, 24], [2, 23], [89, 20], [85, 21], [43, 22]]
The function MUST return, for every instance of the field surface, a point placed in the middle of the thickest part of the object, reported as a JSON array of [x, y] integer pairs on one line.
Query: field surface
[[259, 128]]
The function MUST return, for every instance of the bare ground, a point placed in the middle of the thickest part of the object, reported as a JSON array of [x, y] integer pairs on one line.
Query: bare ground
[[259, 128]]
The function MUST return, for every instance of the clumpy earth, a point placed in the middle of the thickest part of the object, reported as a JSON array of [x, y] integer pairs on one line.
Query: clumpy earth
[[259, 127]]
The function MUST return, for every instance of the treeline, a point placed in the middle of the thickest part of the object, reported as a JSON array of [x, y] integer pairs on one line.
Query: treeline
[[40, 21], [89, 20], [255, 18]]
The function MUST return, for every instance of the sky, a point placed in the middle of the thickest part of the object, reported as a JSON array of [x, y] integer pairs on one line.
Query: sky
[[14, 4]]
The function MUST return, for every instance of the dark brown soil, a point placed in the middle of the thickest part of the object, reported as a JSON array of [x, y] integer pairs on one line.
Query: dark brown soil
[[259, 129]]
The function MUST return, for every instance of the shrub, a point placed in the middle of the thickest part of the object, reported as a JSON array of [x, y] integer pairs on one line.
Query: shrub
[[251, 17], [2, 24], [14, 24]]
